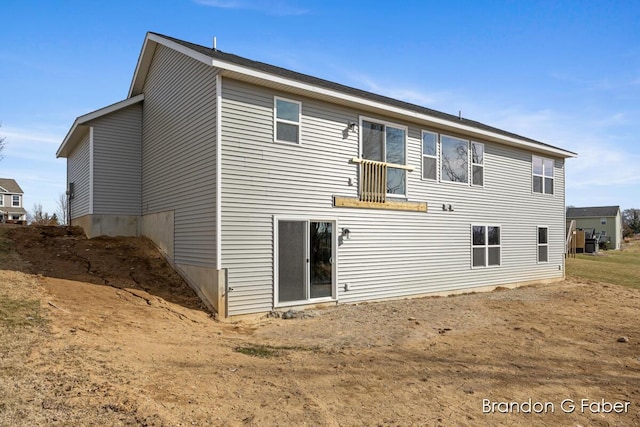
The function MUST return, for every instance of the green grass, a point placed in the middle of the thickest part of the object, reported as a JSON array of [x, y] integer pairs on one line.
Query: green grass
[[267, 351], [17, 313], [616, 267]]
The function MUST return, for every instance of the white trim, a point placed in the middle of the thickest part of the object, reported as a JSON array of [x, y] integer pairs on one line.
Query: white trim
[[81, 120], [386, 124], [422, 155], [1, 200], [19, 205], [91, 170], [334, 255], [482, 165], [486, 246], [289, 122], [468, 182], [538, 244], [218, 172], [4, 190], [241, 71]]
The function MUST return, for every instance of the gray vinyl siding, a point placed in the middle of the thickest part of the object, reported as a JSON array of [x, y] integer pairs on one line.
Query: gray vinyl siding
[[389, 253], [78, 172], [178, 152], [117, 140]]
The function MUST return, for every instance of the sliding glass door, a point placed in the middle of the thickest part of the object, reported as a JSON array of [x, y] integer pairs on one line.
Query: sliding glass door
[[305, 268]]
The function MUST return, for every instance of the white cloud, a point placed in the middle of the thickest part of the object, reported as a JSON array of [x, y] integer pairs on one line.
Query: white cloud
[[18, 135], [271, 7]]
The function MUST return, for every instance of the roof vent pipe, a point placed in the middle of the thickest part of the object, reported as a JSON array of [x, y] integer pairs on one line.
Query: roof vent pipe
[[215, 44], [459, 114]]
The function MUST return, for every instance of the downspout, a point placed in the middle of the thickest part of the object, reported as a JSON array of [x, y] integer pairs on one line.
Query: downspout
[[222, 300]]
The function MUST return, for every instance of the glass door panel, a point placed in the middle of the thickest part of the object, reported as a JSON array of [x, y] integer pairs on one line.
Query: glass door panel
[[321, 259], [292, 261]]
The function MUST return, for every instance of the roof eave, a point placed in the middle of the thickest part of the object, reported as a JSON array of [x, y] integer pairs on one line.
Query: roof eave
[[78, 128], [243, 73]]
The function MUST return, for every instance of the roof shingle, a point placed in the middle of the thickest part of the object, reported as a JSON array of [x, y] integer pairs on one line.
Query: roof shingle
[[10, 185], [588, 212]]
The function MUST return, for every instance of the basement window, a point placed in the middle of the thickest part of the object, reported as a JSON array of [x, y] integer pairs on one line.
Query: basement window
[[486, 248], [543, 244]]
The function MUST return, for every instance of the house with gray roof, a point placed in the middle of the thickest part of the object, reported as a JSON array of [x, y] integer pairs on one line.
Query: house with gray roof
[[269, 189], [11, 201], [606, 221]]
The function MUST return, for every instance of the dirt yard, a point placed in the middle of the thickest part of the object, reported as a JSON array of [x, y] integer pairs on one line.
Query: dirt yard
[[102, 332]]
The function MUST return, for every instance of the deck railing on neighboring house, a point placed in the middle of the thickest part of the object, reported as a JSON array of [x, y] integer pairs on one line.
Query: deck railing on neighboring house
[[570, 243]]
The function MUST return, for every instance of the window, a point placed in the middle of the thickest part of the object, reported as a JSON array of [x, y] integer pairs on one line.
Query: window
[[1, 200], [387, 143], [287, 120], [542, 175], [543, 244], [15, 217], [485, 251], [477, 163], [429, 155], [454, 164], [603, 221], [15, 201]]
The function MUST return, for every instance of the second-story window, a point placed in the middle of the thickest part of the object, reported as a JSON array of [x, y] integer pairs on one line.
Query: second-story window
[[477, 163], [287, 120], [1, 200], [542, 175], [429, 155], [15, 201], [454, 162], [386, 143]]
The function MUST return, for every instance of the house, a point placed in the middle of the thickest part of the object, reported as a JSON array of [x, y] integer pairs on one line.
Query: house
[[11, 201], [267, 188], [606, 221]]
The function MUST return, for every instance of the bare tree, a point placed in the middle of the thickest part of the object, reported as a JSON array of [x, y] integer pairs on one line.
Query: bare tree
[[62, 209], [39, 217], [2, 145]]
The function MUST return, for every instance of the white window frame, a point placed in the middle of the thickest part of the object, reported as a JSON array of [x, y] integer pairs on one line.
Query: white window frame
[[437, 135], [276, 120], [406, 152], [538, 244], [603, 221], [486, 246], [13, 204], [481, 165], [543, 176], [441, 162], [1, 199]]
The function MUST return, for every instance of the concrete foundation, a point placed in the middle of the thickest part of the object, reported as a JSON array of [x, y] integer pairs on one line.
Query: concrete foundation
[[207, 282], [109, 225], [159, 228]]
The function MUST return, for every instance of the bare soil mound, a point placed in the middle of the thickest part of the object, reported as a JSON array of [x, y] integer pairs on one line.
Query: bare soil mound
[[121, 262], [87, 342]]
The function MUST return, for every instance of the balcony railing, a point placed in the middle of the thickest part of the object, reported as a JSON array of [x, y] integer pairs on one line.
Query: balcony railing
[[373, 179]]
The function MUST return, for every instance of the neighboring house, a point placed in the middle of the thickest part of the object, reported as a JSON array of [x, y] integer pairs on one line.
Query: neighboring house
[[605, 220], [267, 188], [11, 201]]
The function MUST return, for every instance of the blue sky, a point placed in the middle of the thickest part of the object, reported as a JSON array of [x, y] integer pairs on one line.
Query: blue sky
[[565, 73]]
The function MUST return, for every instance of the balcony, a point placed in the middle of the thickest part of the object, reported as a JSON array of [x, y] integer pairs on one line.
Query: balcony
[[372, 189]]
